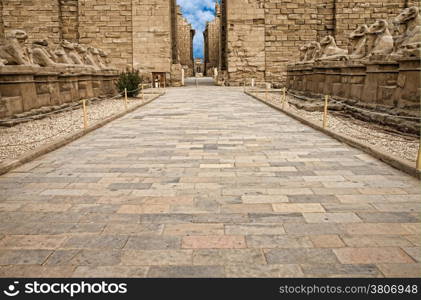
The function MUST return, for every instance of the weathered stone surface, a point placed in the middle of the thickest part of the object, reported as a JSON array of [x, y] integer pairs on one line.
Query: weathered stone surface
[[110, 272], [156, 257], [187, 272], [371, 255], [166, 145], [214, 242], [300, 256], [228, 257]]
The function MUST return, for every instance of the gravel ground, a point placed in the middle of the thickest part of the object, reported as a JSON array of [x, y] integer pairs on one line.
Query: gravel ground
[[14, 141], [399, 145]]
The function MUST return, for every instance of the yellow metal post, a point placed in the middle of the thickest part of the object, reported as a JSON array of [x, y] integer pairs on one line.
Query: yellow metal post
[[85, 114], [325, 121]]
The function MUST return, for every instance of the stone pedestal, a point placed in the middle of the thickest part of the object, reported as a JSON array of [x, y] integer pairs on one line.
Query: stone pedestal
[[24, 88]]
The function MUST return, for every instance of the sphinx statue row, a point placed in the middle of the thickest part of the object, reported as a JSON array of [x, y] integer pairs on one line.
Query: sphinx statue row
[[15, 51], [395, 39]]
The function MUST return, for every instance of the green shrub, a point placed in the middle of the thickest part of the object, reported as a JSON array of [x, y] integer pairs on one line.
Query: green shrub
[[129, 80]]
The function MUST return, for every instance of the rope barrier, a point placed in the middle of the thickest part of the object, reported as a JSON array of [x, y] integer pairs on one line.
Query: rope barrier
[[69, 127], [402, 140], [360, 109]]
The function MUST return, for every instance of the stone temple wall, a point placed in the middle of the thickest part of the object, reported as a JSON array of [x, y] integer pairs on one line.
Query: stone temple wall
[[152, 36], [69, 20], [212, 46], [245, 53], [184, 36], [135, 33], [1, 21], [39, 18], [263, 35], [107, 24], [288, 24]]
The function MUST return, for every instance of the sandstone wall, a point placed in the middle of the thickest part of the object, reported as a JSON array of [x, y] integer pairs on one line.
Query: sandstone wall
[[69, 20], [184, 37], [245, 52], [107, 24], [212, 44], [152, 35], [289, 24], [1, 21], [39, 18], [263, 35]]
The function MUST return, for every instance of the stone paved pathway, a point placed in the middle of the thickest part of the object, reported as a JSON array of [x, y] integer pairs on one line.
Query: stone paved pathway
[[208, 182]]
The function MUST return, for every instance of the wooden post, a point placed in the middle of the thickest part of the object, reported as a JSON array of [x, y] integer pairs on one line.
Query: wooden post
[[419, 157], [125, 98], [283, 97], [197, 83], [325, 122], [85, 114], [143, 94]]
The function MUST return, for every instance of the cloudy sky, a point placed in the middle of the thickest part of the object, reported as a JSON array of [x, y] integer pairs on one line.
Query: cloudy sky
[[197, 13]]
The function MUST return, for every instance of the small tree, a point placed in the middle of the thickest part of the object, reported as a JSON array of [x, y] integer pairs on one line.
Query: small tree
[[129, 80]]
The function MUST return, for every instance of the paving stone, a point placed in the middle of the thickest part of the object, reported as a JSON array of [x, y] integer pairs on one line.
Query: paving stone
[[36, 271], [133, 229], [376, 228], [263, 271], [327, 241], [414, 252], [96, 242], [375, 241], [220, 218], [186, 272], [156, 257], [401, 270], [214, 242], [300, 256], [226, 257], [44, 242], [85, 258], [254, 229], [392, 217], [414, 228], [340, 270], [193, 229], [317, 229], [276, 218], [264, 199], [331, 218], [349, 207], [278, 241], [23, 257], [153, 242], [62, 257], [144, 209], [372, 255], [312, 199], [298, 207], [208, 174], [246, 208], [110, 272]]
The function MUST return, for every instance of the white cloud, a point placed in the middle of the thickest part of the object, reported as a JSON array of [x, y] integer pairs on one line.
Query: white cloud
[[197, 13]]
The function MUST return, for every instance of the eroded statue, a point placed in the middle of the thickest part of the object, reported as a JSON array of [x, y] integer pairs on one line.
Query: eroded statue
[[71, 51], [409, 42], [13, 51], [357, 48], [42, 54], [330, 51], [379, 40], [313, 52]]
